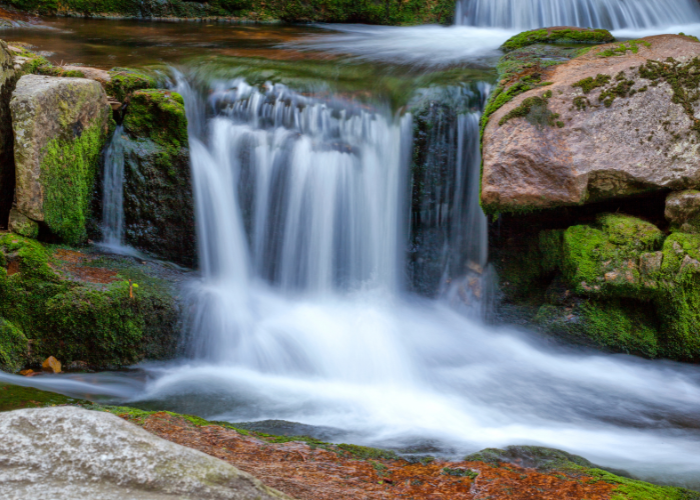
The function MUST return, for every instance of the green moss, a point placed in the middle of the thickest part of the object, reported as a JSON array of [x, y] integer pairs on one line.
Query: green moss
[[692, 37], [631, 489], [617, 325], [364, 452], [13, 347], [535, 111], [602, 259], [158, 115], [623, 48], [589, 84], [684, 79], [124, 81], [68, 170], [14, 397], [557, 36], [471, 474], [73, 321]]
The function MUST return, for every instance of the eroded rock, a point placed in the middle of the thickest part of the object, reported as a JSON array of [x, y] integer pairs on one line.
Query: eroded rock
[[69, 452], [60, 125], [615, 122]]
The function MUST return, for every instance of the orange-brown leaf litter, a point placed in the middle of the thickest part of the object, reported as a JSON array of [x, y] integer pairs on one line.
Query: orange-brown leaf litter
[[307, 472], [75, 265]]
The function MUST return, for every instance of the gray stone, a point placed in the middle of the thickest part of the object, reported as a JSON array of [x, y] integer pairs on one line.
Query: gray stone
[[60, 125], [67, 453], [650, 263], [569, 154], [23, 225], [683, 210]]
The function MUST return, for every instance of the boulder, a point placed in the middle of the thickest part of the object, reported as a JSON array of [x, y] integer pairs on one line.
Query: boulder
[[60, 126], [70, 452], [683, 211], [158, 195], [614, 122], [7, 170], [22, 225], [51, 365]]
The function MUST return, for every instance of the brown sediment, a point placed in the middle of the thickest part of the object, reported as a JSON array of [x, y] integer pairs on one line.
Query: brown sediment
[[308, 472], [76, 266]]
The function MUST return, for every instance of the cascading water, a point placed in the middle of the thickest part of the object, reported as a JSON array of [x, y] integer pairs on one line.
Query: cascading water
[[610, 14], [113, 191]]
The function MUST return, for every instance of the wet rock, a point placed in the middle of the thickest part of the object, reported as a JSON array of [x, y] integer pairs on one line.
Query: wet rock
[[558, 34], [27, 373], [60, 125], [158, 198], [683, 211], [51, 365], [22, 225], [608, 124], [8, 79], [69, 452]]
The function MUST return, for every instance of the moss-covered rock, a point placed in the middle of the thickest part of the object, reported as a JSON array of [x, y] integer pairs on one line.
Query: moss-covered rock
[[158, 197], [13, 347], [76, 311], [567, 34], [124, 81], [683, 211], [60, 126]]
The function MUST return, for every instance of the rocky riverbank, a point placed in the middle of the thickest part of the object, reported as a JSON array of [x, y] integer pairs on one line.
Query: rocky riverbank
[[301, 467]]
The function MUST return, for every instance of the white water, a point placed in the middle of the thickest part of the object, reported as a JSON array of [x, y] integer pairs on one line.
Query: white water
[[481, 26], [610, 14]]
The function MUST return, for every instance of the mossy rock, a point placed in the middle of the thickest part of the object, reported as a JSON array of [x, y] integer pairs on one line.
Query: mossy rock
[[616, 325], [105, 324], [15, 397], [13, 347], [603, 259], [125, 81], [158, 194], [558, 35]]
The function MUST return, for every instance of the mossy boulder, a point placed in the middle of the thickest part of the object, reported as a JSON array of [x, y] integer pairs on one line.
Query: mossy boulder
[[124, 81], [615, 122], [8, 79], [562, 34], [13, 347], [158, 196], [74, 309], [60, 126]]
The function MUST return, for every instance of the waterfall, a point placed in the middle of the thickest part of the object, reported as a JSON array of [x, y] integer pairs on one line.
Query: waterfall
[[113, 191], [610, 14], [303, 193]]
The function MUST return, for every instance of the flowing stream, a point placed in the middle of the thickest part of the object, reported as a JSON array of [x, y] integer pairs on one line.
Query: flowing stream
[[306, 308]]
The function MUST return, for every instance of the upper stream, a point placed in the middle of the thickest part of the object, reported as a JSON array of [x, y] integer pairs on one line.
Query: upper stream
[[335, 293]]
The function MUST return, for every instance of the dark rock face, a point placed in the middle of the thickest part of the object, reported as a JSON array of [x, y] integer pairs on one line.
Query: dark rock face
[[8, 80], [158, 198]]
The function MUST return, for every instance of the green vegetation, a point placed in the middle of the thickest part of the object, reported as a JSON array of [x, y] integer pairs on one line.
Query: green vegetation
[[589, 84], [158, 115], [100, 324], [125, 81], [567, 35], [68, 170], [393, 12], [534, 110], [15, 397], [13, 347], [471, 474], [623, 48]]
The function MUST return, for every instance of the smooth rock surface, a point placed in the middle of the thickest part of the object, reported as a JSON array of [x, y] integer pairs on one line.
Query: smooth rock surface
[[683, 210], [59, 125], [67, 453], [590, 151]]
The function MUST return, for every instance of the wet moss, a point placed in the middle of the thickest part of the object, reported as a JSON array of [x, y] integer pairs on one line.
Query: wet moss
[[14, 397], [566, 35], [13, 347], [535, 111], [623, 48], [68, 170], [158, 115], [589, 84], [124, 81], [100, 324]]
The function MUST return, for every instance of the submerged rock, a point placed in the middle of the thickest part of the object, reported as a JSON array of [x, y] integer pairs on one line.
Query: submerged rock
[[60, 125], [617, 121], [69, 452]]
